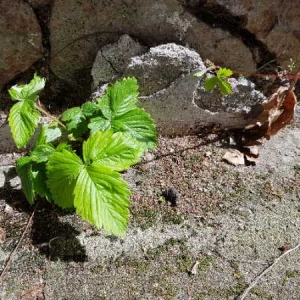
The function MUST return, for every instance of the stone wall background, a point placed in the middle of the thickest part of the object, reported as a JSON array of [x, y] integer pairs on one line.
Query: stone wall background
[[60, 39]]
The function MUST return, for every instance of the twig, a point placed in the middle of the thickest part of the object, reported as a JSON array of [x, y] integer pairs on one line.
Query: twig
[[263, 273], [39, 108], [10, 257]]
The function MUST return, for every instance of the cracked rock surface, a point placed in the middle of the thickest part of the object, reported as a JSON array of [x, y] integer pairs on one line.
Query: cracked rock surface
[[233, 221], [21, 39]]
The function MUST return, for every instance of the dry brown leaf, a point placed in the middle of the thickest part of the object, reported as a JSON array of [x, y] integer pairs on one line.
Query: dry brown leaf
[[278, 111], [234, 157]]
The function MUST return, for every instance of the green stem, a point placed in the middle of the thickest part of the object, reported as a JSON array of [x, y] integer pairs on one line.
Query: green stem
[[45, 112]]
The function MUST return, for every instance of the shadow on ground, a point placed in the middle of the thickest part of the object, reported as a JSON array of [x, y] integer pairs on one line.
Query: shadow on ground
[[53, 238]]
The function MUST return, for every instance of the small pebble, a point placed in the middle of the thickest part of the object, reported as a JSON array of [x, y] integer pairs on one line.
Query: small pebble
[[8, 209]]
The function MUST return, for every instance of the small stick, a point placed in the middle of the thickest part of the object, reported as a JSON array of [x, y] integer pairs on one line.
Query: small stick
[[263, 273], [10, 257], [39, 108]]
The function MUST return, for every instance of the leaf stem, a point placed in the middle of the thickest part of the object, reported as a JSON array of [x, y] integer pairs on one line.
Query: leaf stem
[[45, 112]]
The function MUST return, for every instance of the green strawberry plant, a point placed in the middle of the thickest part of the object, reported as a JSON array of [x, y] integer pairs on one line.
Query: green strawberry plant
[[220, 79], [76, 159]]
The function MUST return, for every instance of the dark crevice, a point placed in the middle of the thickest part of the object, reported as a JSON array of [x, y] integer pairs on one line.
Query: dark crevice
[[218, 16]]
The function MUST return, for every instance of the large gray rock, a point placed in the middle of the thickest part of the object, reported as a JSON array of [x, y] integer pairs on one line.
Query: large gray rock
[[74, 45], [177, 100], [21, 39], [112, 59]]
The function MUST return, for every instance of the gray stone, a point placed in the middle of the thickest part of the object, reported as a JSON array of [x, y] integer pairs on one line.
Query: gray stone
[[161, 66], [177, 100], [112, 59], [74, 45], [21, 39]]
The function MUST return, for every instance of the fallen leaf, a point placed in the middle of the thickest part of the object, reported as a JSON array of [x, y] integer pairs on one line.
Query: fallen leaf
[[277, 111], [194, 268], [234, 157]]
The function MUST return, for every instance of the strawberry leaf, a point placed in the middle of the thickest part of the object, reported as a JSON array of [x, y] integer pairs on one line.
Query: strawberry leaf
[[23, 119], [115, 150], [101, 196], [210, 83], [63, 169]]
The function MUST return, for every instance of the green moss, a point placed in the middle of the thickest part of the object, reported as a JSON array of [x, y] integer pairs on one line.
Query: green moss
[[138, 264], [150, 217], [157, 251], [261, 294], [146, 218], [204, 264], [292, 274], [166, 289]]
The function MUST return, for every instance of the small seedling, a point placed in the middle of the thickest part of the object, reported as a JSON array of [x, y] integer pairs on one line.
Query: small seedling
[[220, 79]]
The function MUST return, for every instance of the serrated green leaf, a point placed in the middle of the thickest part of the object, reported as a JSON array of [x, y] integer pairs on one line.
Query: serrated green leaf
[[36, 85], [75, 121], [15, 93], [71, 113], [210, 83], [138, 124], [123, 96], [63, 146], [101, 196], [39, 178], [225, 87], [24, 170], [63, 168], [90, 109], [23, 119], [99, 123], [104, 104], [117, 150], [48, 134], [224, 73], [41, 153]]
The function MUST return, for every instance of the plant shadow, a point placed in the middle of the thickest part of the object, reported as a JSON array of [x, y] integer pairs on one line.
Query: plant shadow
[[54, 237]]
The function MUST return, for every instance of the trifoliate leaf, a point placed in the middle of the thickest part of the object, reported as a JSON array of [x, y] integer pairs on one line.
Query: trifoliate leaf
[[63, 169], [24, 170], [41, 153], [123, 96], [23, 119], [138, 124], [117, 150], [210, 83], [224, 73], [99, 123], [101, 196], [31, 91], [225, 87], [90, 109]]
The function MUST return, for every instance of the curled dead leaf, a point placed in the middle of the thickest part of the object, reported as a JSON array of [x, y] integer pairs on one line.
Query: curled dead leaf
[[278, 111]]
